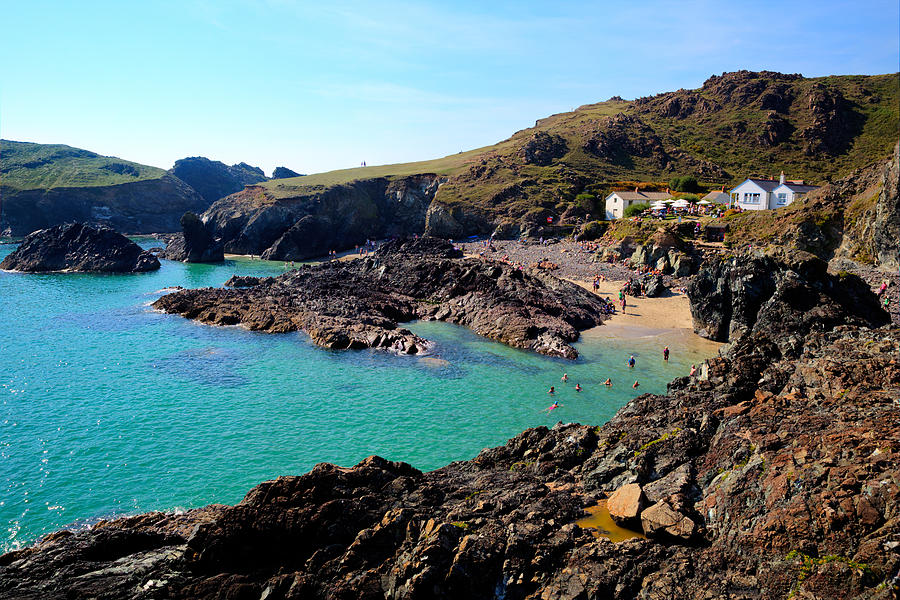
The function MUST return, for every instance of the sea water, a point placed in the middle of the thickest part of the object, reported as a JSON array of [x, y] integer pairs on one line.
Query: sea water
[[108, 407]]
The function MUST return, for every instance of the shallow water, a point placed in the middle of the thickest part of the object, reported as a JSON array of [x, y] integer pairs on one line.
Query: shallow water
[[108, 407], [601, 524]]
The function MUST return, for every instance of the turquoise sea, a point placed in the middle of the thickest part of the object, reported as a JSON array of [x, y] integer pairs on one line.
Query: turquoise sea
[[108, 407]]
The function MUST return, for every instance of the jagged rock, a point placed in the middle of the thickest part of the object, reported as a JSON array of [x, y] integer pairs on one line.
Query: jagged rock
[[678, 481], [626, 503], [543, 148], [661, 519], [214, 179], [79, 248], [240, 281], [284, 173], [358, 304], [195, 244]]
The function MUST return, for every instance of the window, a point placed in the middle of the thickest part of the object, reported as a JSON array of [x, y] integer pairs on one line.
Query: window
[[782, 198], [751, 198]]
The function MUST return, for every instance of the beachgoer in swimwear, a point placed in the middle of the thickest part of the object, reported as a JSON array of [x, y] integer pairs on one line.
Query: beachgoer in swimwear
[[564, 378], [552, 390], [666, 354], [553, 406], [636, 384], [631, 361], [693, 370], [577, 387], [608, 382]]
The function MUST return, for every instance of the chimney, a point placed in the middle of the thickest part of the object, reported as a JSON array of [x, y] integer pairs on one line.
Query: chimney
[[781, 179]]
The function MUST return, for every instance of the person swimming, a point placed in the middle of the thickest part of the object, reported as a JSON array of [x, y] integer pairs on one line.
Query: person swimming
[[631, 361], [551, 391], [564, 378], [577, 387], [608, 382], [636, 384], [553, 406]]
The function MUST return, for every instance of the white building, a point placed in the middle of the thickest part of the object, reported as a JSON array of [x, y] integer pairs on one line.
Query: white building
[[766, 194], [617, 202], [717, 197]]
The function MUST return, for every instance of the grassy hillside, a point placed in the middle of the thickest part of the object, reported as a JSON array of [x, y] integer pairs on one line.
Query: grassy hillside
[[27, 166], [736, 125]]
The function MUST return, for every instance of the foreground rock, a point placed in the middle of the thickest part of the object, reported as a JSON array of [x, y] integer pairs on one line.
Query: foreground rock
[[79, 248], [196, 243], [773, 474], [359, 303]]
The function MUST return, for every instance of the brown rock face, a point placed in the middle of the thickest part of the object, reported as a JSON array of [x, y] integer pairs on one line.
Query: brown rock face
[[358, 304], [625, 503], [662, 520]]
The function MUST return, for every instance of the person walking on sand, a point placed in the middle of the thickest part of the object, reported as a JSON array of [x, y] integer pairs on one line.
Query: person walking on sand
[[666, 354], [631, 361]]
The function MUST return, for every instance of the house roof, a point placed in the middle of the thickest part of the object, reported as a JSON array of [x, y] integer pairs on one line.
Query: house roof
[[642, 195], [766, 184], [717, 197], [799, 189]]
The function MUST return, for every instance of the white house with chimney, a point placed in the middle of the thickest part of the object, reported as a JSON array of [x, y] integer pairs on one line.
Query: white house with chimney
[[766, 194], [617, 202]]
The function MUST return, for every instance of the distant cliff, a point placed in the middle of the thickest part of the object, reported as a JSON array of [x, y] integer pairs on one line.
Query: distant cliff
[[45, 185], [214, 179]]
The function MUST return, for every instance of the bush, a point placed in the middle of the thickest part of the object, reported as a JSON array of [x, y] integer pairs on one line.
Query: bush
[[687, 183], [586, 202], [635, 209], [593, 230], [691, 197]]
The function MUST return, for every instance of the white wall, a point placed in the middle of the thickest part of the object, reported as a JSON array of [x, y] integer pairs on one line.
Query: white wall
[[789, 196], [748, 187], [615, 207]]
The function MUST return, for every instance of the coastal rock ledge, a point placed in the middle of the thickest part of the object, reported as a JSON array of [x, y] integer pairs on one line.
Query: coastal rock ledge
[[359, 303], [79, 248], [773, 473]]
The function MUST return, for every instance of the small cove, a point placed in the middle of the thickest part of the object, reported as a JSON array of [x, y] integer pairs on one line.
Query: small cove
[[108, 407]]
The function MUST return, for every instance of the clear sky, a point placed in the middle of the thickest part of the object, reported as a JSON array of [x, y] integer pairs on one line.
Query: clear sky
[[323, 85]]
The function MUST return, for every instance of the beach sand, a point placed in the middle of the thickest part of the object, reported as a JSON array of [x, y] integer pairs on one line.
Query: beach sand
[[671, 311]]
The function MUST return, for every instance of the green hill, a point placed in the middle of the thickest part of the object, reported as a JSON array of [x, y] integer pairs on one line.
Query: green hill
[[28, 166], [736, 125], [42, 185]]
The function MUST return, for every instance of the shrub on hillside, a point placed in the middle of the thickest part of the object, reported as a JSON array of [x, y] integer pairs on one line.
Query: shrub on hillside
[[687, 183], [635, 209], [586, 202], [593, 230]]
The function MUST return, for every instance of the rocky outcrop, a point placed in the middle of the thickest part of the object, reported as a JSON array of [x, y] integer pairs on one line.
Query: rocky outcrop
[[214, 179], [79, 248], [886, 226], [542, 148], [772, 473], [284, 173], [359, 303], [316, 220], [729, 297], [195, 244]]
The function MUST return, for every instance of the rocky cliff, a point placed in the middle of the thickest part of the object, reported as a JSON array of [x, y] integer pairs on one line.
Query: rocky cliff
[[771, 474], [195, 243], [359, 303], [78, 248], [311, 223], [214, 179], [46, 185]]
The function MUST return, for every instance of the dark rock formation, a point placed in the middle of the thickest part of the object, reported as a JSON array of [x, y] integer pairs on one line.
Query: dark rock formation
[[729, 297], [79, 248], [620, 137], [357, 304], [284, 173], [886, 226], [214, 179], [146, 206], [770, 474], [314, 222], [195, 244]]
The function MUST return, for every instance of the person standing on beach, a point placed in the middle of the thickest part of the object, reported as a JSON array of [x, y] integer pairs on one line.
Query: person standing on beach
[[693, 370], [666, 354]]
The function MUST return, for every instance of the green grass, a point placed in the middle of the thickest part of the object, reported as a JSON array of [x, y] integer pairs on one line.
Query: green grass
[[26, 166]]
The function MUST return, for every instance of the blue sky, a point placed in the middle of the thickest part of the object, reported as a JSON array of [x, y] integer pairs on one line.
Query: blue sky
[[317, 86]]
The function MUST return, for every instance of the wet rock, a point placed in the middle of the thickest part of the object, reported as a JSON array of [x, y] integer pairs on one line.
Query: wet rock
[[359, 303], [196, 243], [79, 248]]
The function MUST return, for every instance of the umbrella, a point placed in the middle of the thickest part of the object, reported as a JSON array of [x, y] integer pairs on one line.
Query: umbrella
[[669, 201], [704, 202], [681, 203], [658, 205]]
